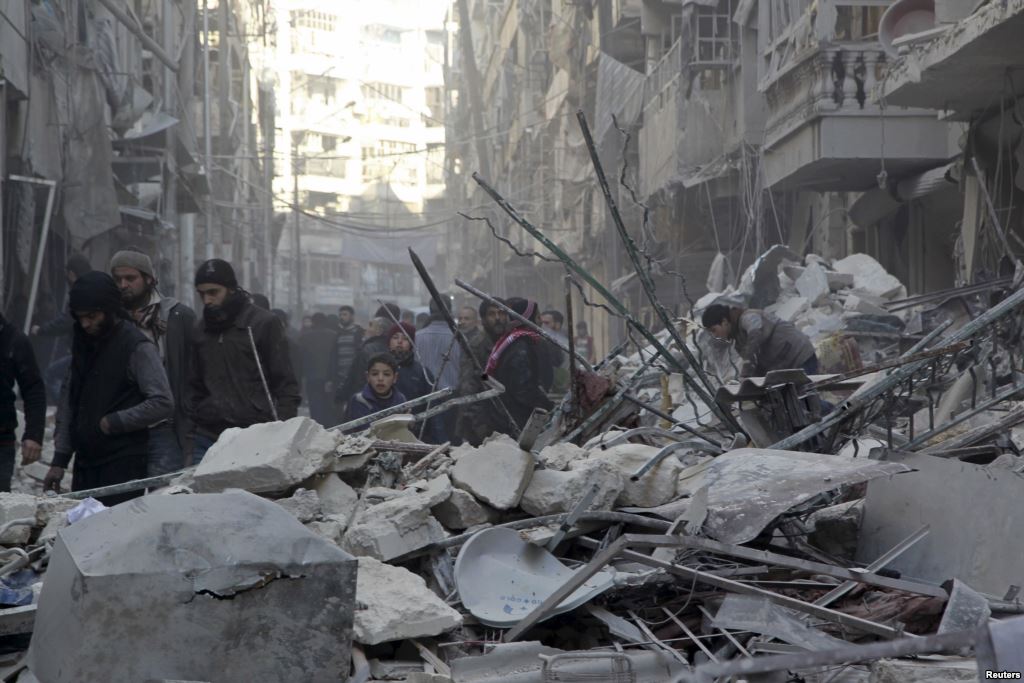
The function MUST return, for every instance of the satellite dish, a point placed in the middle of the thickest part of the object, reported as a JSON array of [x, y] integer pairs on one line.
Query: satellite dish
[[903, 18], [501, 578]]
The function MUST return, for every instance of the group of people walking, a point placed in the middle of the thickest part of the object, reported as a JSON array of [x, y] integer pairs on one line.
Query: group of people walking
[[149, 385]]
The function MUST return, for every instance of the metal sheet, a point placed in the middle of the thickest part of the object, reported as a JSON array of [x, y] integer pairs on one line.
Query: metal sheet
[[972, 511], [749, 487]]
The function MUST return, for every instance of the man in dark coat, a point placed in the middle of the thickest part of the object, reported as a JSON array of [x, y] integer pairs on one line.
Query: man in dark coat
[[115, 389], [414, 380], [18, 366], [348, 347], [240, 356], [520, 361], [169, 324], [319, 368], [474, 421]]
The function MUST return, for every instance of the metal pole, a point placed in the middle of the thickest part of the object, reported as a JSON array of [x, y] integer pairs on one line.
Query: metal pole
[[41, 253], [296, 237], [137, 31], [631, 249], [571, 336], [725, 416], [207, 137]]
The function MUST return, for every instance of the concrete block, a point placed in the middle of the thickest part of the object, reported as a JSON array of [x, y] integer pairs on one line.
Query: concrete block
[[396, 604], [858, 304], [560, 456], [337, 498], [303, 505], [265, 458], [813, 284], [836, 529], [52, 515], [657, 487], [924, 670], [223, 587], [328, 529], [462, 511], [497, 473], [18, 506], [398, 526], [551, 491], [789, 309], [869, 275]]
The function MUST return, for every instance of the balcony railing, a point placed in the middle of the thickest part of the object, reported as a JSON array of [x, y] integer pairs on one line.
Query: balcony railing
[[838, 79], [664, 73]]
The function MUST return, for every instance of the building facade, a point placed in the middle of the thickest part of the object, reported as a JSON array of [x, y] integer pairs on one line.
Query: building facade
[[738, 124], [360, 156]]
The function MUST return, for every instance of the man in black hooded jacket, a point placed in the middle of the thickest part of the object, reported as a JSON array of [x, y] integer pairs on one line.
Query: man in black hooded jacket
[[115, 389], [240, 356]]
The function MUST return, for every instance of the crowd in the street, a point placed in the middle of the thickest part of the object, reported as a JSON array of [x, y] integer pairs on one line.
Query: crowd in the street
[[144, 385]]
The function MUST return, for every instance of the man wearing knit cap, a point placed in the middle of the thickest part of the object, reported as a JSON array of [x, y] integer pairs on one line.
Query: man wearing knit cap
[[169, 324], [116, 388], [520, 361], [241, 372]]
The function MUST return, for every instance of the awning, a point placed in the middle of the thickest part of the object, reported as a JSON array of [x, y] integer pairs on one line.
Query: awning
[[876, 204]]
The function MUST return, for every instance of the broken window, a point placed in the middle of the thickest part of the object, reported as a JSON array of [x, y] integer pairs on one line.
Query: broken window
[[714, 35], [858, 22]]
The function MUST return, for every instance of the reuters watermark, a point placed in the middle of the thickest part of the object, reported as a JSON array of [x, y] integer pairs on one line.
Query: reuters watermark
[[1002, 675]]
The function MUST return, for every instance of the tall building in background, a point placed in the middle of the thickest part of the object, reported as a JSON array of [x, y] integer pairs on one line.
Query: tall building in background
[[359, 93]]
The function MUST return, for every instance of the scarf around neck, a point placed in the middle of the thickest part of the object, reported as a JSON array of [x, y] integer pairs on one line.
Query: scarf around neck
[[506, 341]]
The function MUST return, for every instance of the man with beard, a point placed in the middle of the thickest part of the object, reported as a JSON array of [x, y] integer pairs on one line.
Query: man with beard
[[348, 345], [475, 421], [115, 389], [167, 323], [241, 371], [520, 360]]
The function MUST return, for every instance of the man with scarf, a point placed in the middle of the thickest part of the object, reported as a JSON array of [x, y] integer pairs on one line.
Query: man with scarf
[[520, 360], [168, 323], [241, 371], [115, 390]]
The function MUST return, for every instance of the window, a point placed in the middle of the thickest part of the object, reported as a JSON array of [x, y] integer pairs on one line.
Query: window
[[858, 22], [435, 102], [328, 143], [714, 40], [435, 164], [312, 20], [382, 91]]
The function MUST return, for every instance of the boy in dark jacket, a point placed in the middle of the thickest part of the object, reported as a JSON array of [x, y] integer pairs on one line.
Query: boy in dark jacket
[[379, 393]]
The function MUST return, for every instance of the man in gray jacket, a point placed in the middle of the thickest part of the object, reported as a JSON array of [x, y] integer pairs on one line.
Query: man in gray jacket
[[763, 341], [169, 324], [116, 388]]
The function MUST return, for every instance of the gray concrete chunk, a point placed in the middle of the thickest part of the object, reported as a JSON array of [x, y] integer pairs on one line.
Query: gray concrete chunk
[[497, 473], [551, 491], [462, 511], [268, 457], [397, 605]]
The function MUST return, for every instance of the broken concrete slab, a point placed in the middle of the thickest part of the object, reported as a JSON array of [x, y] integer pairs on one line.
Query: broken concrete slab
[[561, 455], [789, 309], [15, 506], [813, 284], [211, 587], [337, 498], [304, 505], [396, 604], [398, 526], [265, 458], [497, 472], [869, 275], [462, 511], [858, 304], [657, 487], [328, 529], [932, 669], [551, 491]]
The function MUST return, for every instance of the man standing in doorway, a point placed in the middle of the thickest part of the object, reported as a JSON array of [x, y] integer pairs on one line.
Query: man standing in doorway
[[348, 345], [167, 323], [241, 371], [116, 388]]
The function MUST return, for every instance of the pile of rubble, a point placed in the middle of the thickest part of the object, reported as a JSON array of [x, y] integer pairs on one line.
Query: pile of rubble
[[642, 536]]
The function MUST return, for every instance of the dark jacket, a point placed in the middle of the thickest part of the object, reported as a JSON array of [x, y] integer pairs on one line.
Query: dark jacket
[[225, 386], [473, 423], [119, 377], [319, 355], [415, 381], [367, 403], [181, 322], [18, 365], [348, 348], [526, 372]]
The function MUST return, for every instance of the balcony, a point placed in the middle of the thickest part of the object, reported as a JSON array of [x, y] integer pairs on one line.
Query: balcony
[[826, 132]]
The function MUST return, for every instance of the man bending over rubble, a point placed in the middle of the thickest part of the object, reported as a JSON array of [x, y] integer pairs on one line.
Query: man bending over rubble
[[115, 389], [763, 341]]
